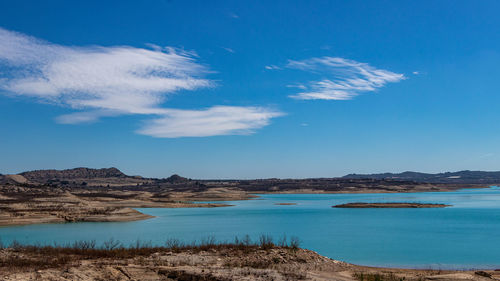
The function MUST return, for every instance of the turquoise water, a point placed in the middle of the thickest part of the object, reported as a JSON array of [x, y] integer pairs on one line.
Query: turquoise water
[[464, 236]]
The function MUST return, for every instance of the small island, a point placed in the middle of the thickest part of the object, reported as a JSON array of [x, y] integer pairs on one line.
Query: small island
[[390, 205], [285, 204]]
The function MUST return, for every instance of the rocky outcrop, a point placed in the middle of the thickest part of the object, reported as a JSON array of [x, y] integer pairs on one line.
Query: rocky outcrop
[[12, 179]]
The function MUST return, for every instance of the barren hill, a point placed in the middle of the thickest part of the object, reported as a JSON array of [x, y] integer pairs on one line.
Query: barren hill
[[82, 177]]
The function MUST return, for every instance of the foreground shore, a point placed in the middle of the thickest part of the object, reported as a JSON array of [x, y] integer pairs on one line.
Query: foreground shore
[[215, 262]]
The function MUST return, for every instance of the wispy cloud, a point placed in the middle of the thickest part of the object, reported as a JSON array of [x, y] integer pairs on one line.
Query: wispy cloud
[[228, 50], [300, 86], [86, 116], [121, 79], [112, 81], [218, 120], [344, 79], [272, 67]]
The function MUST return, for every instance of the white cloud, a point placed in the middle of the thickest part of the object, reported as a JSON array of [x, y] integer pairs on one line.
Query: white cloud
[[300, 86], [228, 49], [345, 78], [122, 79], [272, 67], [416, 72], [107, 81], [218, 120]]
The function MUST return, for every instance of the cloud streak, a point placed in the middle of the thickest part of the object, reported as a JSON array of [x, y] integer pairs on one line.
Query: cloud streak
[[344, 79], [218, 120], [272, 67], [119, 80]]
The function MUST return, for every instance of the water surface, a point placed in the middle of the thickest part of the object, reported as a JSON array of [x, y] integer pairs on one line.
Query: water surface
[[464, 236]]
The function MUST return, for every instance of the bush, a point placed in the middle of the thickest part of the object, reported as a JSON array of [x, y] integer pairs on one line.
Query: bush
[[294, 242], [112, 244], [266, 242]]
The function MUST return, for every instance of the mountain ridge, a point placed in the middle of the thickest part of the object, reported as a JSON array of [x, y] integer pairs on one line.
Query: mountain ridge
[[81, 173], [464, 176]]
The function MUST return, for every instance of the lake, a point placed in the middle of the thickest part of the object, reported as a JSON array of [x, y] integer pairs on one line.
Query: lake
[[464, 236]]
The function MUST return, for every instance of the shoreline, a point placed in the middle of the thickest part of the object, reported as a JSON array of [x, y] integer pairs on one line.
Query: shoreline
[[389, 205], [66, 207], [24, 205], [120, 214]]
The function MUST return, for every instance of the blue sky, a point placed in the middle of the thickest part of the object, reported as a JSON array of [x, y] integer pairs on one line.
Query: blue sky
[[250, 89]]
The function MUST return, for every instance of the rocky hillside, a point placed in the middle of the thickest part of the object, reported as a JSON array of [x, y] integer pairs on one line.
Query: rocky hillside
[[77, 173]]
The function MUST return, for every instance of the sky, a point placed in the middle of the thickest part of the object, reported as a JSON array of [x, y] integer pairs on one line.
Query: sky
[[250, 89]]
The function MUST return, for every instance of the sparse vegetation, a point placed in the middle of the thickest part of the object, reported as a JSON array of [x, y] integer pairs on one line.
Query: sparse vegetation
[[114, 249], [208, 259]]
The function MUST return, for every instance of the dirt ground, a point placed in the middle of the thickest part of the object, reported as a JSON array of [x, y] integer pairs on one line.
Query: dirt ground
[[204, 263]]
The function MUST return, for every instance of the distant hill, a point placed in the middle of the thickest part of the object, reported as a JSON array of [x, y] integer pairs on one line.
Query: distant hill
[[114, 178], [469, 177], [175, 179], [77, 173], [88, 177]]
